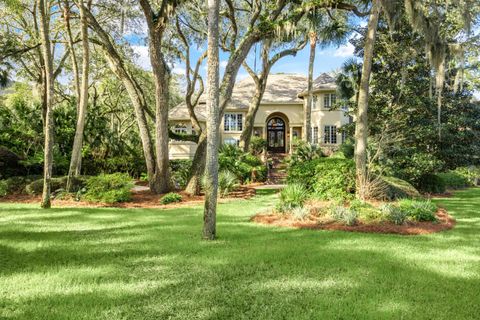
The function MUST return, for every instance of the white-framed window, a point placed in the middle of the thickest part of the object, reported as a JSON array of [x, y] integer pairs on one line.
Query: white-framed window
[[330, 135], [329, 99], [314, 102], [233, 122], [180, 129], [315, 135], [232, 141]]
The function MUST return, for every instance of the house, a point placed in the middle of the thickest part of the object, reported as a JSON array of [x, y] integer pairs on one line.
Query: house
[[280, 118]]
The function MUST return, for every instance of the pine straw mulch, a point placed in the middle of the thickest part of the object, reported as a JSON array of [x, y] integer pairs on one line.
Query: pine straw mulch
[[445, 222], [140, 199]]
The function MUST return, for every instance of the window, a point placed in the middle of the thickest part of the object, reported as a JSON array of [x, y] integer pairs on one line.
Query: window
[[329, 99], [314, 103], [315, 135], [330, 135], [180, 129], [233, 122], [232, 141]]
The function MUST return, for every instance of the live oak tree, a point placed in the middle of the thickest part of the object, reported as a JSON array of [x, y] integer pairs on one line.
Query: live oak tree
[[269, 56]]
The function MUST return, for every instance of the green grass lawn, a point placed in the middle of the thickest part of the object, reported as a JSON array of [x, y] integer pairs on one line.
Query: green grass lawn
[[151, 264]]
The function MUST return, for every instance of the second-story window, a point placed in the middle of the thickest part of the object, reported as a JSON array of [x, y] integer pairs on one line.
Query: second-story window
[[233, 122], [314, 103], [329, 99]]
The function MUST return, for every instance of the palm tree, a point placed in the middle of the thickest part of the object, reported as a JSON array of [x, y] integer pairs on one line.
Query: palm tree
[[213, 123]]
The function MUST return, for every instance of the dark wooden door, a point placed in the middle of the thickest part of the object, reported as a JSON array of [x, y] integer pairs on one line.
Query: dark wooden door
[[276, 135]]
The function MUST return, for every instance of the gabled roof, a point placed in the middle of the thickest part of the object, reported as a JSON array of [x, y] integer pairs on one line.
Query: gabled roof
[[322, 82], [281, 88]]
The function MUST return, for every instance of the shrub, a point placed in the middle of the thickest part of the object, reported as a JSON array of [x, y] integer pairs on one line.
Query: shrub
[[395, 188], [394, 213], [244, 165], [366, 211], [257, 145], [346, 215], [302, 173], [3, 188], [227, 182], [431, 183], [300, 213], [418, 210], [36, 187], [348, 148], [292, 196], [304, 151], [109, 188], [472, 174], [334, 179], [170, 198], [180, 172], [454, 180]]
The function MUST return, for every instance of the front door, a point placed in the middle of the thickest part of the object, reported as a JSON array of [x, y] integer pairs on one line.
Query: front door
[[276, 135]]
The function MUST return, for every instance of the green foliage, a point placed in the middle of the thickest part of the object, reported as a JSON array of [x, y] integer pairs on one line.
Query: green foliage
[[394, 188], [36, 187], [348, 148], [227, 182], [3, 188], [327, 178], [418, 210], [304, 151], [171, 197], [257, 145], [334, 179], [454, 180], [292, 196], [180, 172], [366, 211], [472, 174], [348, 216], [109, 188], [394, 213], [431, 183], [244, 165]]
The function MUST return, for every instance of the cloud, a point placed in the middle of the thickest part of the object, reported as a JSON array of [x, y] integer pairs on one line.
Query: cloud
[[143, 59], [223, 64], [344, 51], [179, 70]]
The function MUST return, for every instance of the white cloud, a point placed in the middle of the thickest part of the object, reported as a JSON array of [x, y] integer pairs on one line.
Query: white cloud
[[344, 51], [223, 64], [143, 59], [179, 70]]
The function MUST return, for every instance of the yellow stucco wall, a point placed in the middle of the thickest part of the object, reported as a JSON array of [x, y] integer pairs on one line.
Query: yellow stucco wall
[[293, 114]]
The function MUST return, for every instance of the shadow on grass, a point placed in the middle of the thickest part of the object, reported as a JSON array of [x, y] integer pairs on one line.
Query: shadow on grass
[[151, 264]]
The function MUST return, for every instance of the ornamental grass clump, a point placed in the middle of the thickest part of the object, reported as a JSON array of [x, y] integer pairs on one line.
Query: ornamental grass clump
[[418, 210], [394, 214], [343, 214], [291, 197]]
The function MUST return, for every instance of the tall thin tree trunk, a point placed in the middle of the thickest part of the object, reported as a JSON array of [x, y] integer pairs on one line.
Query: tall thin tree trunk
[[361, 127], [76, 159], [198, 166], [439, 82], [73, 56], [247, 132], [49, 125], [213, 124], [308, 108]]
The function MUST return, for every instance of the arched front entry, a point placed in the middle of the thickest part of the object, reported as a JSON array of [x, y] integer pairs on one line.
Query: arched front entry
[[276, 135]]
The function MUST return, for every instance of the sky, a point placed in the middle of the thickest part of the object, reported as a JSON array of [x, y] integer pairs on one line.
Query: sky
[[326, 60]]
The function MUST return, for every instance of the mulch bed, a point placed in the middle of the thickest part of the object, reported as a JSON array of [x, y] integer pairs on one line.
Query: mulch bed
[[445, 222], [140, 199]]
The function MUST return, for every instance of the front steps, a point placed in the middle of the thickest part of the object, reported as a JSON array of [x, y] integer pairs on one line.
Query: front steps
[[277, 172]]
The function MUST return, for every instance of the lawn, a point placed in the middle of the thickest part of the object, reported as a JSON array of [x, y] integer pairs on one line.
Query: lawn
[[151, 264]]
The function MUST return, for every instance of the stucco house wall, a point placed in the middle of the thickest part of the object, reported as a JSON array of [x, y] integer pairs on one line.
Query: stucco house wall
[[285, 97]]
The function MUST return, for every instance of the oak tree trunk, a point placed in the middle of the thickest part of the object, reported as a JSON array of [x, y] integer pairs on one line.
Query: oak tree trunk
[[198, 166], [361, 126], [48, 77], [213, 124], [76, 159]]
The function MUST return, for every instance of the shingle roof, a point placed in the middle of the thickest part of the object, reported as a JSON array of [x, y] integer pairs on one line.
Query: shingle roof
[[282, 88]]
